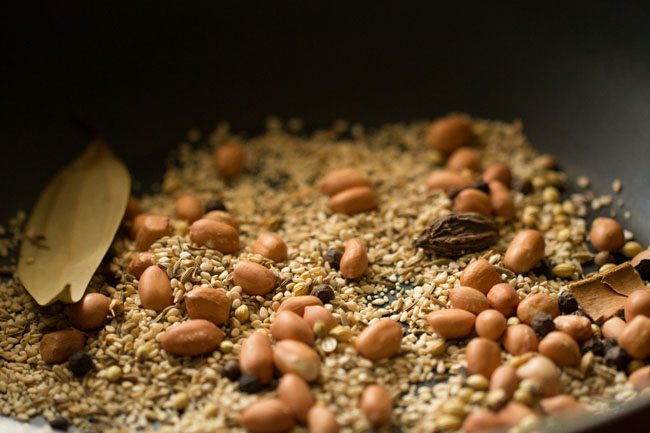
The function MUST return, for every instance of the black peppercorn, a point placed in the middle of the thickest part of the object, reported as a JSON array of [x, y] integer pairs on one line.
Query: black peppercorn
[[60, 423], [323, 292], [593, 345], [567, 303], [231, 370], [617, 358], [215, 205], [333, 257], [249, 384], [80, 363], [542, 324]]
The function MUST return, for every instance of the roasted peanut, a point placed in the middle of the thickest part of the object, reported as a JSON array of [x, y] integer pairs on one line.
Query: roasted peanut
[[468, 299], [90, 313], [290, 326], [638, 303], [322, 420], [229, 160], [380, 340], [291, 356], [480, 275], [192, 338], [525, 250], [513, 413], [256, 357], [222, 217], [451, 323], [481, 421], [189, 207], [58, 346], [473, 200], [562, 405], [270, 246], [606, 234], [449, 133], [501, 200], [578, 327], [483, 356], [297, 304], [543, 372], [490, 324], [560, 348], [215, 235], [640, 379], [267, 416], [152, 228], [342, 179], [354, 261], [505, 378], [154, 289], [353, 200], [139, 262], [498, 172], [317, 313], [447, 180], [377, 405], [520, 339], [635, 338], [209, 304], [613, 327], [254, 279], [532, 305], [295, 392], [464, 158], [504, 298]]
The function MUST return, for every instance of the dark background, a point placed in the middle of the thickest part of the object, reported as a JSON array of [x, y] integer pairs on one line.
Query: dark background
[[577, 74]]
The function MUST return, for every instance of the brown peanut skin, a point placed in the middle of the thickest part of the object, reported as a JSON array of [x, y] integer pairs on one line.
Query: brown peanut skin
[[256, 357], [532, 305], [90, 313], [498, 172], [290, 326], [315, 313], [137, 223], [513, 413], [473, 200], [192, 338], [451, 323], [151, 228], [222, 217], [354, 261], [189, 208], [468, 299], [380, 340], [544, 373], [295, 392], [322, 420], [501, 200], [297, 304], [353, 200], [154, 289], [139, 262], [209, 304], [483, 356], [560, 348], [270, 246], [638, 303], [505, 377], [447, 180], [254, 279], [377, 405], [635, 338], [449, 133], [612, 328], [525, 250], [464, 158], [606, 234], [481, 421], [267, 416], [292, 356], [58, 346], [640, 378], [562, 405], [229, 160], [480, 275], [342, 179], [504, 298], [578, 327], [490, 324], [520, 339], [215, 235]]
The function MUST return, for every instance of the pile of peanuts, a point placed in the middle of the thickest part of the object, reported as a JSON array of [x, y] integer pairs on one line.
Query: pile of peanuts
[[349, 191]]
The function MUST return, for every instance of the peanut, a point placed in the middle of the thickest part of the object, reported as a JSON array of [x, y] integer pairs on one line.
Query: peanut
[[520, 339], [613, 327], [289, 326], [317, 313], [267, 416], [532, 305], [640, 379], [490, 324], [256, 357], [638, 303], [270, 246], [451, 323], [498, 172], [254, 279], [297, 304], [139, 262], [514, 413], [501, 200], [525, 250], [480, 275], [606, 234], [377, 405], [137, 223], [322, 420], [562, 405], [354, 261], [90, 313], [635, 338], [464, 158], [229, 160], [543, 372], [152, 228], [154, 289], [380, 340], [579, 328], [560, 348], [133, 208], [215, 235], [505, 378], [353, 200], [447, 180], [189, 207], [209, 304], [468, 299], [449, 133], [222, 217], [504, 298], [473, 200], [483, 356], [193, 338], [481, 421], [58, 346], [295, 392], [342, 179], [291, 356]]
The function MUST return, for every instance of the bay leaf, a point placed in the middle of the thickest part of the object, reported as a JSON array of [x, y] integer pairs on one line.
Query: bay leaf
[[73, 225]]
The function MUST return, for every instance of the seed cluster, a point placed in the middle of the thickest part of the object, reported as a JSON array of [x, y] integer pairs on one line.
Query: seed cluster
[[195, 274]]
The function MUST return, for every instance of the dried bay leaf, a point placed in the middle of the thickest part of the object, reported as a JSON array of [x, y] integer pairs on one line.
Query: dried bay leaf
[[72, 225]]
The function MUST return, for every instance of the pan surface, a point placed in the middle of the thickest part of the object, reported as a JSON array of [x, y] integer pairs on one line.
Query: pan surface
[[578, 75]]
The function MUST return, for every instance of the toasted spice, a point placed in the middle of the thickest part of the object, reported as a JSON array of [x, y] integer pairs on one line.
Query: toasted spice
[[456, 234]]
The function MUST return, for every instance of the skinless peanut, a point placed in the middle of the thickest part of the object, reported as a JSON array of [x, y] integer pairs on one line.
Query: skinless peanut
[[613, 328], [153, 228], [451, 323], [353, 200], [543, 372], [520, 339], [267, 416], [295, 392], [525, 250], [578, 327], [505, 378], [501, 200], [483, 356], [513, 413], [377, 405], [380, 340], [447, 180], [254, 279], [560, 348], [638, 303], [222, 217], [449, 133], [256, 357], [133, 208], [532, 305], [139, 262], [154, 289], [498, 172], [291, 356], [58, 346], [189, 207], [490, 324], [290, 326], [468, 299], [270, 246], [504, 298], [354, 261], [209, 304], [90, 313], [640, 379], [314, 313], [322, 420], [473, 200], [342, 179], [229, 160], [561, 405], [297, 304], [481, 421], [635, 338], [192, 338], [480, 275], [464, 158], [215, 235], [137, 223], [606, 234]]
